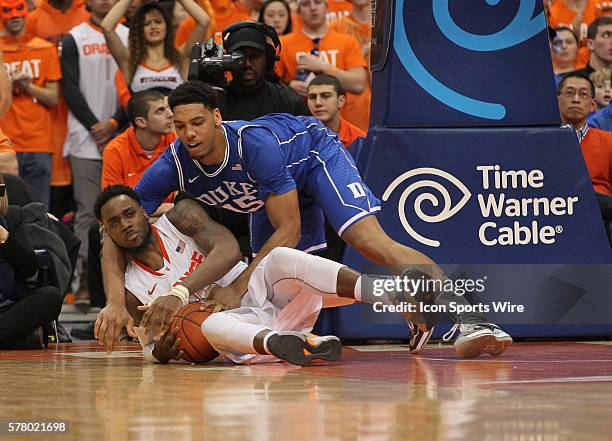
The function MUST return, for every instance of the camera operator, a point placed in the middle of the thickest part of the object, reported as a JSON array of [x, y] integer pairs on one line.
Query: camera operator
[[24, 310], [251, 95]]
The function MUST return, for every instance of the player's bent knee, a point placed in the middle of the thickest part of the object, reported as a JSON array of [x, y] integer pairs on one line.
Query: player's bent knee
[[215, 326], [279, 255]]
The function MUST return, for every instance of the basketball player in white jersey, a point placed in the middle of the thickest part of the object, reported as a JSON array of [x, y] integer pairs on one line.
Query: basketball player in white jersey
[[185, 255]]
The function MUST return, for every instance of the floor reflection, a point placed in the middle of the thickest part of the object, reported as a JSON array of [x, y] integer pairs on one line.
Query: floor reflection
[[367, 397]]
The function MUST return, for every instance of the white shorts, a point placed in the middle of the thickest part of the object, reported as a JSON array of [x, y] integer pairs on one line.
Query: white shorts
[[279, 304]]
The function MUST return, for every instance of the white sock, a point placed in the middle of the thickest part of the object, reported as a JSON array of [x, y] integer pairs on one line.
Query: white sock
[[265, 341]]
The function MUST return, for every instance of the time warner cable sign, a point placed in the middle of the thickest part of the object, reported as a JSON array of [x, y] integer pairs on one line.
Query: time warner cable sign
[[492, 202], [500, 196]]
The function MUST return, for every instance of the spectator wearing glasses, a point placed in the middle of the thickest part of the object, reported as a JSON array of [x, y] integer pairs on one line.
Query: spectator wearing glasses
[[576, 100], [315, 49]]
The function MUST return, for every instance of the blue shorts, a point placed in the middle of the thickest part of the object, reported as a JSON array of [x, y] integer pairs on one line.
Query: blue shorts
[[332, 186]]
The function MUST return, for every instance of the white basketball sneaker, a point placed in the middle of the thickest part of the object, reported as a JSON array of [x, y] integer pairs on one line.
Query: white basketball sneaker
[[478, 339]]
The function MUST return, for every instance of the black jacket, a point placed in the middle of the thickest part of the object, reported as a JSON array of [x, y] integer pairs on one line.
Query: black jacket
[[268, 98]]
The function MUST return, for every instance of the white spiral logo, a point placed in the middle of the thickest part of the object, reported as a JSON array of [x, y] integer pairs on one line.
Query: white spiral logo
[[447, 210]]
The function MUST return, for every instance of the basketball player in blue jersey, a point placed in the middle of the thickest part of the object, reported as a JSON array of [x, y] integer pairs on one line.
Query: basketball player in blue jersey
[[286, 172]]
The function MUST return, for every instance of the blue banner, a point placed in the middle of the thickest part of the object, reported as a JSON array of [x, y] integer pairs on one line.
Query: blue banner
[[462, 63], [484, 196]]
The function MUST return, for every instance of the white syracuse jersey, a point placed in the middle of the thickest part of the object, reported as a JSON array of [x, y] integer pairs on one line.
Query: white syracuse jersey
[[97, 70], [147, 78], [181, 258]]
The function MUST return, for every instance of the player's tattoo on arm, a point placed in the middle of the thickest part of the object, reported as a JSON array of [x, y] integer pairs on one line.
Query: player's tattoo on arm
[[190, 219], [214, 241]]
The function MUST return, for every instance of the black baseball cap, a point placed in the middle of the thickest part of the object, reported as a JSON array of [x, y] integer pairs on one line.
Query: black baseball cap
[[246, 37]]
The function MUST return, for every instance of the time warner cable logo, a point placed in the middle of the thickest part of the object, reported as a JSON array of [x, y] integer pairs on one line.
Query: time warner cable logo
[[494, 205], [447, 210]]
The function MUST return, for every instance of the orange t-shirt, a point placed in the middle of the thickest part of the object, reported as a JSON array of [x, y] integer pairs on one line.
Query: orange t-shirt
[[28, 123], [337, 49], [51, 24], [187, 26], [124, 161], [225, 13], [561, 15], [337, 9], [349, 132], [225, 16], [597, 151]]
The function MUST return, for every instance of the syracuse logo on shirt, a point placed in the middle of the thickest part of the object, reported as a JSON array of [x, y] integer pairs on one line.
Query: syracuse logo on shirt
[[95, 49], [329, 56]]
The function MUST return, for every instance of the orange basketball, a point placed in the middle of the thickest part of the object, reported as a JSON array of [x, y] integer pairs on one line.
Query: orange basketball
[[194, 345]]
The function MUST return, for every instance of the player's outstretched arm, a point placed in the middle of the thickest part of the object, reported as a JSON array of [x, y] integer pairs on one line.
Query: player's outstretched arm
[[284, 214], [114, 316], [214, 240]]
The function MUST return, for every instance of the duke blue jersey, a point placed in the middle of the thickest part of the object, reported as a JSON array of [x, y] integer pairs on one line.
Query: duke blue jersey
[[270, 155]]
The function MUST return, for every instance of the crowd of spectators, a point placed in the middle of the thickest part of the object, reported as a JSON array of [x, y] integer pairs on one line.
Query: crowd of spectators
[[82, 95]]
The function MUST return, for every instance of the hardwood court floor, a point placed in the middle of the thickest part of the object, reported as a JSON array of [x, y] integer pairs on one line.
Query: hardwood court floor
[[535, 391]]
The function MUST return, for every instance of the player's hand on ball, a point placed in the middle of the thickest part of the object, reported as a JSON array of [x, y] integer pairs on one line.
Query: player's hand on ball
[[215, 305], [111, 319], [158, 317], [227, 296], [167, 348]]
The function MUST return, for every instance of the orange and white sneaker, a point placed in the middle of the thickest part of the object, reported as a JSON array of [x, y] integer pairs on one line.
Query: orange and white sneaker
[[301, 349]]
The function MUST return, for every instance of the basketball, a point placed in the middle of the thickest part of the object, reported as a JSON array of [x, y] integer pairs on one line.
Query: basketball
[[194, 345]]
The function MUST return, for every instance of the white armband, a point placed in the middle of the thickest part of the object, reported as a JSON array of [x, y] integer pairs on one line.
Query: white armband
[[147, 353], [181, 292]]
